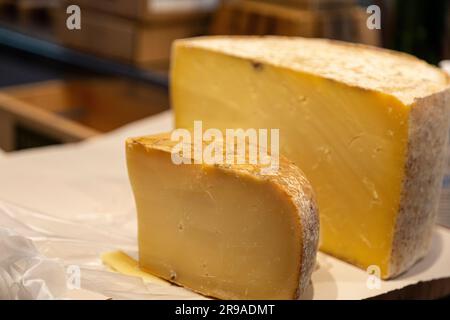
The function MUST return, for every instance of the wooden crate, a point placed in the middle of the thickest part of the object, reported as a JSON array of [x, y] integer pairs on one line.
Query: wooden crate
[[28, 13], [258, 18], [124, 39], [263, 18], [313, 4], [347, 24], [60, 111], [152, 10]]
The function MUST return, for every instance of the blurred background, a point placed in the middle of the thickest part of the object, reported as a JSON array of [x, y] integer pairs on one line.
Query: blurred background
[[59, 85]]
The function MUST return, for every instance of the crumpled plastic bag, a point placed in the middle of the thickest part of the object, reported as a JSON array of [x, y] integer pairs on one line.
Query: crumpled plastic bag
[[37, 264], [25, 273]]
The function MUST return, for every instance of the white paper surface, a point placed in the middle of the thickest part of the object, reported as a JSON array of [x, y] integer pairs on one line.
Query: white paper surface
[[80, 205]]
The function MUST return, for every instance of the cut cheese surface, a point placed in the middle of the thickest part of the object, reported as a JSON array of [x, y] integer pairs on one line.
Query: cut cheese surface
[[222, 230], [367, 126]]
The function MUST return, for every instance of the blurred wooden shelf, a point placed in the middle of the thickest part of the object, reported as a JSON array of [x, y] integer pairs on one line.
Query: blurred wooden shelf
[[251, 17], [312, 4], [152, 11], [43, 45], [68, 111], [28, 13], [126, 40]]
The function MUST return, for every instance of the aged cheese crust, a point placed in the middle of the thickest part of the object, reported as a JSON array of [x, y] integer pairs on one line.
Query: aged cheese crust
[[291, 179], [428, 132], [288, 180]]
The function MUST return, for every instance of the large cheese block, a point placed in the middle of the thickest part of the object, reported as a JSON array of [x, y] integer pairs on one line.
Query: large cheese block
[[222, 230], [367, 126]]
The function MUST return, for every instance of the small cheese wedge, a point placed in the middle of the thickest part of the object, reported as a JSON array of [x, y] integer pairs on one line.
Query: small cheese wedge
[[225, 231], [366, 125], [120, 262]]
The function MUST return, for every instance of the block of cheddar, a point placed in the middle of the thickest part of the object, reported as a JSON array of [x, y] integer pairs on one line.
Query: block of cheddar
[[367, 126], [225, 231]]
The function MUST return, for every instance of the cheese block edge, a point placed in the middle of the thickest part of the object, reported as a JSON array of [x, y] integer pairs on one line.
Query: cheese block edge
[[427, 99], [425, 160]]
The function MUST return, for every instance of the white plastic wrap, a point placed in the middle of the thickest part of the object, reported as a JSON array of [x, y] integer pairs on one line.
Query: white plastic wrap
[[25, 273], [29, 268]]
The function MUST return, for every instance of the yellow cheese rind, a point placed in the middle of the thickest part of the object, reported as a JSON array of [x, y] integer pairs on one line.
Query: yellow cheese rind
[[260, 242], [366, 125]]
